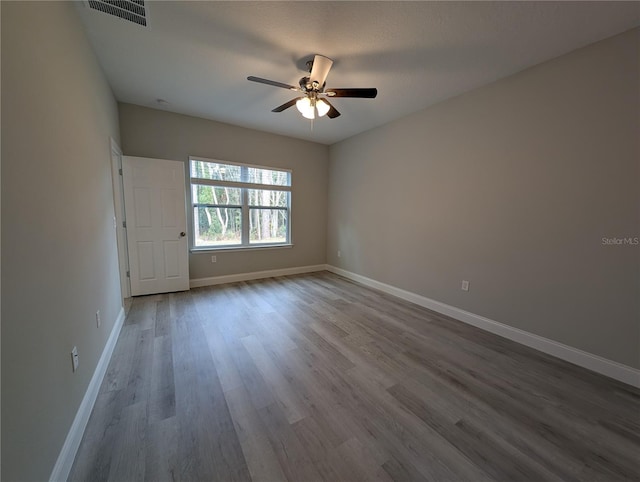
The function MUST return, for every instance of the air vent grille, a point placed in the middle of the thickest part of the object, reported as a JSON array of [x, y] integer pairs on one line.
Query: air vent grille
[[131, 10]]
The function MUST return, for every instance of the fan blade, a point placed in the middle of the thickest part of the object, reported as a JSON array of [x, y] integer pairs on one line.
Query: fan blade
[[320, 69], [333, 112], [361, 93], [271, 82], [286, 105]]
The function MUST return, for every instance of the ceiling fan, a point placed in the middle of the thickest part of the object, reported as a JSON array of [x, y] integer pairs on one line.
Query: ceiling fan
[[315, 97]]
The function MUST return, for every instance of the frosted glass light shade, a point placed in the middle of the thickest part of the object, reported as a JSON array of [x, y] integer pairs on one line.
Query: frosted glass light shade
[[322, 107], [303, 104], [305, 107]]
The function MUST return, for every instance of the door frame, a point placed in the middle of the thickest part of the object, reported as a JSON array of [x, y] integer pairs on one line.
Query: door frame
[[120, 218]]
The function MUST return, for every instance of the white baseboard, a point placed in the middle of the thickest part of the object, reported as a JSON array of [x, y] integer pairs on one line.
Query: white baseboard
[[598, 364], [233, 278], [67, 455]]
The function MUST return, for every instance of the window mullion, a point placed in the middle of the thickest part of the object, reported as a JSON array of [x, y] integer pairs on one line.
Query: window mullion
[[249, 185], [289, 217], [221, 206], [245, 209]]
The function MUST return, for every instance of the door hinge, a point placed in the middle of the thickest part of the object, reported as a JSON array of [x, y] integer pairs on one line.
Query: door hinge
[[128, 275], [124, 224], [120, 171]]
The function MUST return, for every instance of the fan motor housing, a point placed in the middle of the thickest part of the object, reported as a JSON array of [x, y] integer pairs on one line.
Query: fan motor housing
[[307, 86]]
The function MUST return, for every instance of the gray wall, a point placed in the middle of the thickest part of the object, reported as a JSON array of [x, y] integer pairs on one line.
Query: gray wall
[[59, 259], [159, 134], [512, 187]]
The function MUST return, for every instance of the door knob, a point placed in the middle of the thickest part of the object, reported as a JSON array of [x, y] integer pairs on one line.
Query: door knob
[[183, 234]]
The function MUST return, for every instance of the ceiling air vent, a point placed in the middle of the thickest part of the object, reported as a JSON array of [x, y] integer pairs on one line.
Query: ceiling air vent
[[130, 10]]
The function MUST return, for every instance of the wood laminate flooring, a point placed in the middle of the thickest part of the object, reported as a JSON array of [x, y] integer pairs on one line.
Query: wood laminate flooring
[[314, 377]]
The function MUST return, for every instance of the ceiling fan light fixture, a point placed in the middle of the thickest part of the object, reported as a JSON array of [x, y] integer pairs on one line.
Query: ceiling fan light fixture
[[322, 107]]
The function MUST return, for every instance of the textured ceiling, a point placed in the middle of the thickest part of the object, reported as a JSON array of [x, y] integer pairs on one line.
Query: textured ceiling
[[197, 55]]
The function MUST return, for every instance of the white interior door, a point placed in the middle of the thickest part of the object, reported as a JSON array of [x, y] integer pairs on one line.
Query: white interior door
[[155, 208], [118, 206]]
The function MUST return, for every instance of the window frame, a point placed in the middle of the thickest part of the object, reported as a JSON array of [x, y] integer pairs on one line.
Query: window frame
[[245, 207]]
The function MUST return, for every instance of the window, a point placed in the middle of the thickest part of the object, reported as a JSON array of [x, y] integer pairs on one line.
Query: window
[[239, 205]]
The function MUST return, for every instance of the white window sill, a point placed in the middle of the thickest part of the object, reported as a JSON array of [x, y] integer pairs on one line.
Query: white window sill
[[210, 249]]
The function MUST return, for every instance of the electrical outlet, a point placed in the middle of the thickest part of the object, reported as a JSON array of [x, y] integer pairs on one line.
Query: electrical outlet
[[465, 285], [339, 254], [214, 259], [74, 358], [98, 320]]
